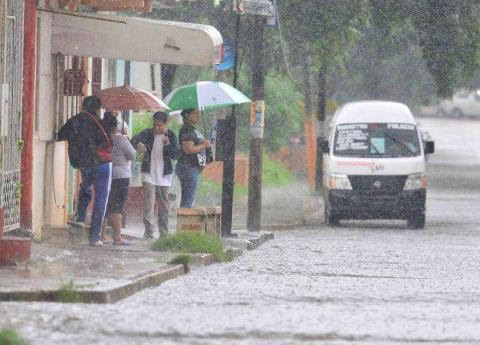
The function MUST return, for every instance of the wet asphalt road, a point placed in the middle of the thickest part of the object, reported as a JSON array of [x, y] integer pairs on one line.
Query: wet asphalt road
[[363, 282]]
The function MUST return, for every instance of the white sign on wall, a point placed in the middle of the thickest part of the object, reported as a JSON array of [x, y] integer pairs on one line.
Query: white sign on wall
[[258, 7]]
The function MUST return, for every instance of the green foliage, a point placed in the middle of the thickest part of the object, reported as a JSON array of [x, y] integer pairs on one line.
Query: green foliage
[[18, 190], [67, 294], [20, 144], [141, 121], [275, 174], [449, 35], [182, 259], [11, 337], [283, 112], [189, 242], [209, 193]]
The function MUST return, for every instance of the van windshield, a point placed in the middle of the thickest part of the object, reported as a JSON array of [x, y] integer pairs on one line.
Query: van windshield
[[376, 140]]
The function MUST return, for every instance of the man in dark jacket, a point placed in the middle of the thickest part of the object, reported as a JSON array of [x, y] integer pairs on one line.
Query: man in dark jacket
[[159, 146], [89, 149]]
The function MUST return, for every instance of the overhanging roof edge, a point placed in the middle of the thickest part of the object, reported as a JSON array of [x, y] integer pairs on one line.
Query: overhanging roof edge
[[134, 38]]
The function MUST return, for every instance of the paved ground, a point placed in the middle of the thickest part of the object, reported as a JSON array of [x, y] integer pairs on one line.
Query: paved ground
[[363, 282]]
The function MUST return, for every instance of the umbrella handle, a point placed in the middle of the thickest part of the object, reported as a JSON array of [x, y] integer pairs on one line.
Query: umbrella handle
[[204, 126], [208, 151]]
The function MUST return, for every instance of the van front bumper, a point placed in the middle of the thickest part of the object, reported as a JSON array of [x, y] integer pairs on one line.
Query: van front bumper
[[347, 204]]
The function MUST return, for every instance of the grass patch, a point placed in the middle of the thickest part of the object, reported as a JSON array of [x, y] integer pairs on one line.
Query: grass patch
[[11, 337], [182, 259], [189, 242], [67, 294], [275, 174], [209, 193]]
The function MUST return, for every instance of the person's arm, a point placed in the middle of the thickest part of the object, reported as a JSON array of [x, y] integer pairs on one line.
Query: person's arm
[[65, 132], [188, 147], [127, 149], [171, 149], [140, 138]]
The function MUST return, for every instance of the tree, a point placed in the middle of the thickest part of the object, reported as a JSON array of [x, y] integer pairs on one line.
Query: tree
[[449, 36]]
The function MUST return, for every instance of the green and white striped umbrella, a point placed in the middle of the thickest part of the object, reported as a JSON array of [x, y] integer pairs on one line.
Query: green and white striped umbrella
[[204, 95]]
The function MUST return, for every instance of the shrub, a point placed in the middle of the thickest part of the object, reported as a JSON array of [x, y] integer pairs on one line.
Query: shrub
[[189, 242]]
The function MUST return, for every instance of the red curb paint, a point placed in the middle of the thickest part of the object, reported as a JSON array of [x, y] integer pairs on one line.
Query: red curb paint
[[13, 250]]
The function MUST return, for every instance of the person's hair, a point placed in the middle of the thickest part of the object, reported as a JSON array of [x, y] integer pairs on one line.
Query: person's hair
[[91, 103], [160, 116], [109, 122], [186, 112]]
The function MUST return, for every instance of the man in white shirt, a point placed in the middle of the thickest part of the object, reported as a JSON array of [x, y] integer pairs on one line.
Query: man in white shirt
[[159, 146]]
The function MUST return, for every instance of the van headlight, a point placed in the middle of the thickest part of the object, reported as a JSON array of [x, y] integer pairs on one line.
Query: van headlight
[[416, 181], [338, 181]]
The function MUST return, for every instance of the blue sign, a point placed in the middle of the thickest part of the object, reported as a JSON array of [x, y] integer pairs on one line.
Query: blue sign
[[228, 55]]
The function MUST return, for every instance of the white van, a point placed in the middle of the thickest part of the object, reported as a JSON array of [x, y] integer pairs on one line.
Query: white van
[[374, 164]]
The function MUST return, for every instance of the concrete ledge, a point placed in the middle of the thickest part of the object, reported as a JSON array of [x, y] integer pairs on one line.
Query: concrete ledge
[[90, 275], [273, 227], [246, 241], [100, 294], [203, 259]]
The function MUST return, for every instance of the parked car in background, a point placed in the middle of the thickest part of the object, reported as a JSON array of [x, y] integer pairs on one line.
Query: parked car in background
[[464, 103]]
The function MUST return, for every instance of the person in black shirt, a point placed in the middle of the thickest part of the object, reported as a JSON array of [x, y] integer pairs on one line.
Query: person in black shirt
[[192, 158]]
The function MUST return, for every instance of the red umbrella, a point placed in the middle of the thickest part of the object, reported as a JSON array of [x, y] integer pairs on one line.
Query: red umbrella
[[129, 98]]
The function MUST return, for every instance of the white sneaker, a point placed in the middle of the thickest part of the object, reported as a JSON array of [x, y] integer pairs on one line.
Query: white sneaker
[[77, 224], [99, 243]]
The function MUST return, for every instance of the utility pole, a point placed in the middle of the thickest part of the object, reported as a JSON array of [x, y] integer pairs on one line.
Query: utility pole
[[126, 81], [228, 183], [254, 220], [321, 113]]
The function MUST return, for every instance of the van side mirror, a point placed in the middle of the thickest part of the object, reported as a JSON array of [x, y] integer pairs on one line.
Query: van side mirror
[[429, 147], [325, 147]]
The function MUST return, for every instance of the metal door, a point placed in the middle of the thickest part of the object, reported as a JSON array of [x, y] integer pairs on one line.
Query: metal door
[[11, 111]]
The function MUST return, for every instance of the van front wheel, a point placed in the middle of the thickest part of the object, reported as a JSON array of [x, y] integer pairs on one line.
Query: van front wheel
[[330, 218], [416, 221]]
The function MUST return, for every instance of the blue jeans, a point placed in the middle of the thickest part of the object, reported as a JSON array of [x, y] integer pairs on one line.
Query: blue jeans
[[100, 177], [188, 177]]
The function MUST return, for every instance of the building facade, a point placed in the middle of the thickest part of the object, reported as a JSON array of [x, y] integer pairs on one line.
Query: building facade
[[75, 48]]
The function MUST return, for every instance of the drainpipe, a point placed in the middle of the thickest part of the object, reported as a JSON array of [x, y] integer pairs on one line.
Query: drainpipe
[[28, 111]]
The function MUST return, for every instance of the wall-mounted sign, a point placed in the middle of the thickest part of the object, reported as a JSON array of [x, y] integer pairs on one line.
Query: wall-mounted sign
[[257, 118], [228, 54], [257, 7], [73, 82]]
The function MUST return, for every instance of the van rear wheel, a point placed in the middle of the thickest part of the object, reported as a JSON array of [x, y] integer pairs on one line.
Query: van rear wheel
[[416, 221], [330, 218]]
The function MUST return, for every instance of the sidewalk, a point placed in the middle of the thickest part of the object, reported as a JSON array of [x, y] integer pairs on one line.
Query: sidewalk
[[65, 264], [60, 270]]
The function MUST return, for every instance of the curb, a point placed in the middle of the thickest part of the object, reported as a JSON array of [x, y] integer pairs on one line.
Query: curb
[[277, 227], [247, 241], [109, 295]]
